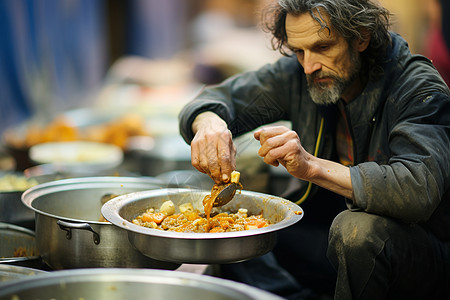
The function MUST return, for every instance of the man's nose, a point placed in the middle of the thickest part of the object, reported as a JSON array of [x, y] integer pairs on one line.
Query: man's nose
[[310, 64]]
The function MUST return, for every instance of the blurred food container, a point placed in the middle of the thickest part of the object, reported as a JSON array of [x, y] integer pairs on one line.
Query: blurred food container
[[78, 156], [7, 161], [169, 153], [113, 126], [12, 210]]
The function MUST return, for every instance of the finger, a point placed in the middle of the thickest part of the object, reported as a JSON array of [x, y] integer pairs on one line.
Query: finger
[[210, 159], [213, 163], [287, 153], [273, 158], [226, 155], [195, 156], [271, 143], [203, 150], [257, 134], [270, 131], [278, 148]]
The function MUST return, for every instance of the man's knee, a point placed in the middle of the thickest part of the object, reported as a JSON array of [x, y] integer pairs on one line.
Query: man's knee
[[358, 231]]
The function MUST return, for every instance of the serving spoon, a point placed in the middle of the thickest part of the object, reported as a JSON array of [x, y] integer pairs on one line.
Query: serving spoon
[[225, 195], [228, 192]]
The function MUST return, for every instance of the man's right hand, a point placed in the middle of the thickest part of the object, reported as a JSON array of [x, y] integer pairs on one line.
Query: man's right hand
[[212, 149]]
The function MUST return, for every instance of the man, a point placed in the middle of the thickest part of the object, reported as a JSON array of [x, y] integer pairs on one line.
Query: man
[[370, 128]]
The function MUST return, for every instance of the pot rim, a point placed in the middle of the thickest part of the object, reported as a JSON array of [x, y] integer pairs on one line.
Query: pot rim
[[70, 184], [111, 212], [186, 279]]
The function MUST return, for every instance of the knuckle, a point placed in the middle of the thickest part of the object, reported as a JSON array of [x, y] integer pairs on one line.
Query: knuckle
[[224, 156]]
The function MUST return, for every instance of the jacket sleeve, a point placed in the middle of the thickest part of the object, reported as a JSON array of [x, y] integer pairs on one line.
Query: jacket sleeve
[[247, 100], [417, 176]]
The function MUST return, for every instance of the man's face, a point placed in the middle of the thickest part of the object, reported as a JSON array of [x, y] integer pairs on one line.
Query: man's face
[[330, 64]]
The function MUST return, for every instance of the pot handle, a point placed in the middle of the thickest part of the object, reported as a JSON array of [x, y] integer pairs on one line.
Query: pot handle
[[67, 226]]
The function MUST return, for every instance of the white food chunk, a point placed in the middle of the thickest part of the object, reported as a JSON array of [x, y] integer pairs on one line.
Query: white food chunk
[[242, 211], [235, 176], [167, 208], [186, 207]]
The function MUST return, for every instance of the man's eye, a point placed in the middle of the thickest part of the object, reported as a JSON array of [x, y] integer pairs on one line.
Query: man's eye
[[323, 47]]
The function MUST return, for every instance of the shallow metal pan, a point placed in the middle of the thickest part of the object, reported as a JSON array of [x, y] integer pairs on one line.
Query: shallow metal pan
[[201, 248]]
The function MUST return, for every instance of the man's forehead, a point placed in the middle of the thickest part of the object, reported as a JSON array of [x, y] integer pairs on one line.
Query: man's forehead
[[304, 26]]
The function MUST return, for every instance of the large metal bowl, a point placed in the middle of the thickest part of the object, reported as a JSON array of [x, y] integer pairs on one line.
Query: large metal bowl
[[115, 284], [201, 248]]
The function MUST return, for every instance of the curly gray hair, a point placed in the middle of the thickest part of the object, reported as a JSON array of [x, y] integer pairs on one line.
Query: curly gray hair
[[353, 19]]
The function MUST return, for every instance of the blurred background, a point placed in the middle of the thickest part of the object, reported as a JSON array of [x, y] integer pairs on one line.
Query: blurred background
[[60, 55], [118, 72]]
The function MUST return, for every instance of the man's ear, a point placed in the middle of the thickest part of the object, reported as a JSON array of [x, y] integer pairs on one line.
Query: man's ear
[[363, 43]]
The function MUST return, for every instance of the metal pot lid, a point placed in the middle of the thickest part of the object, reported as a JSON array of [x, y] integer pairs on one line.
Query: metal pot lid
[[122, 283], [17, 244], [86, 183]]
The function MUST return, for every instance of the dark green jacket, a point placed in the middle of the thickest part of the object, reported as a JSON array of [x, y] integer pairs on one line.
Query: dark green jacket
[[400, 126]]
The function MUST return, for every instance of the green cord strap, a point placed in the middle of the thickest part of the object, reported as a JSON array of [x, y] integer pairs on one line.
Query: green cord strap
[[316, 151]]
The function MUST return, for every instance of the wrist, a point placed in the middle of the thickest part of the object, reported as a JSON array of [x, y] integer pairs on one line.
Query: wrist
[[208, 120]]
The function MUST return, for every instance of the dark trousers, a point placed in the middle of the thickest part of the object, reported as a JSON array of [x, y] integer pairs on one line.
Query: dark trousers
[[382, 258], [375, 258]]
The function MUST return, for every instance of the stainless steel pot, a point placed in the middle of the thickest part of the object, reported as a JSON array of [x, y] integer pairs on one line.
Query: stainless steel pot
[[15, 238], [114, 284], [201, 248], [69, 232]]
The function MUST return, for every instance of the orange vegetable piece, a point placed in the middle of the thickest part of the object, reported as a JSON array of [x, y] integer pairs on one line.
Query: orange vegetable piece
[[255, 223], [153, 217], [216, 229]]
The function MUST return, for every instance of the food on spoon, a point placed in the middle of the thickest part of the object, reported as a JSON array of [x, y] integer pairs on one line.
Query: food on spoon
[[208, 201], [235, 176]]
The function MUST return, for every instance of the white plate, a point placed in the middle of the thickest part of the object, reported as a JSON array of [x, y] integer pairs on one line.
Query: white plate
[[78, 155]]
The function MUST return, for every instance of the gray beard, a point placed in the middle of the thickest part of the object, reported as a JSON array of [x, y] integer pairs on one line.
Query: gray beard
[[323, 93]]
